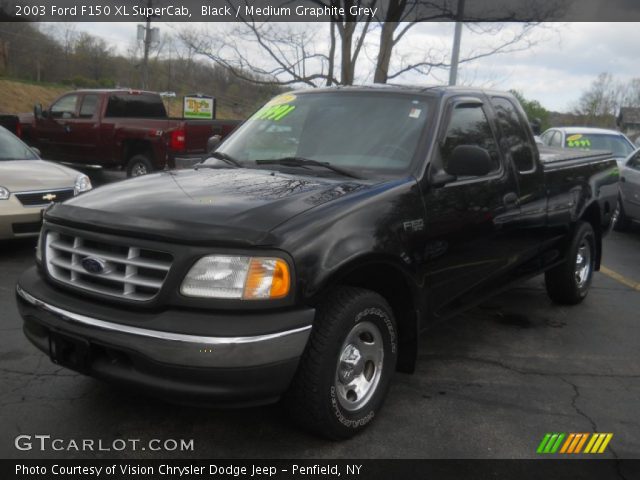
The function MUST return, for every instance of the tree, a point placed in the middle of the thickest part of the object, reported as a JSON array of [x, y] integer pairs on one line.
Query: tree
[[601, 99], [95, 53], [534, 110], [285, 54]]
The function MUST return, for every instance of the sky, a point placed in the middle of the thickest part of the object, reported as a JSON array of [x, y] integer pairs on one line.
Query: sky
[[561, 63]]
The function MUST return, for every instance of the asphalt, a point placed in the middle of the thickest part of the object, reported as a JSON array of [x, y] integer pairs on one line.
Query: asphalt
[[489, 384]]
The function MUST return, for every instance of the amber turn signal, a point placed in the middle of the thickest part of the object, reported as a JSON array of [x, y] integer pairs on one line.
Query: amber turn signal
[[267, 278]]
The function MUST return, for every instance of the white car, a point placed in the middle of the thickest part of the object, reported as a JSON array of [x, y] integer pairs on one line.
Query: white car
[[629, 203], [586, 138], [28, 184]]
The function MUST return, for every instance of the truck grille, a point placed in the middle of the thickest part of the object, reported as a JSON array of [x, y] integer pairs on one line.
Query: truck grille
[[121, 271], [44, 197]]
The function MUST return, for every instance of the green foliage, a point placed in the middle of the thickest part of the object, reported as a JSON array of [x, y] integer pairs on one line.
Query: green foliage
[[534, 110], [84, 82]]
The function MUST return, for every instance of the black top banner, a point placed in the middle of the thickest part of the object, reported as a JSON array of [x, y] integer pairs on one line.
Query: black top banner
[[320, 10]]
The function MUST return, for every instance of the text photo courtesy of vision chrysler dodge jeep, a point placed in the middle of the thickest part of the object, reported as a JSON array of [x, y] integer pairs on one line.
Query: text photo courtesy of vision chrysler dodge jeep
[[303, 259]]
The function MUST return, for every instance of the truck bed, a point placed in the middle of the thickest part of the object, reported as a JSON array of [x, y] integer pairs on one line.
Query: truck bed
[[11, 123], [552, 157]]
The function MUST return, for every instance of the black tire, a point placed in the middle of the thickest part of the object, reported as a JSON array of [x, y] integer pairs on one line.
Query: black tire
[[319, 398], [568, 283], [139, 165], [621, 223]]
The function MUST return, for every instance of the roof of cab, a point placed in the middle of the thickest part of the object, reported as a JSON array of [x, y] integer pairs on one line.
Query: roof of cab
[[113, 90], [435, 90]]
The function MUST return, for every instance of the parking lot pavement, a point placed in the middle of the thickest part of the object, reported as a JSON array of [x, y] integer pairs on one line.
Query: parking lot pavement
[[489, 384]]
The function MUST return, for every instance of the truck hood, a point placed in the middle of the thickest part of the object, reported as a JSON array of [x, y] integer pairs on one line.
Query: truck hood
[[25, 175], [206, 206]]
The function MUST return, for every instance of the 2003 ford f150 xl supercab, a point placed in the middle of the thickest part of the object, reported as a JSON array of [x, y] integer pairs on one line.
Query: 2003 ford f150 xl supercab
[[304, 258]]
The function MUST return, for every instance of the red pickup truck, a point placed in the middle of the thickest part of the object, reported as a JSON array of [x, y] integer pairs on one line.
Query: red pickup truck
[[118, 129]]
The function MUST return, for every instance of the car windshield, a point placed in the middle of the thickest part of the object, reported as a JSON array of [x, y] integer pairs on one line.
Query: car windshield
[[359, 132], [616, 144], [11, 148]]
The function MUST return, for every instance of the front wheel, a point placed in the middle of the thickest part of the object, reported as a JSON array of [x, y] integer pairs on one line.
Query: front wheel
[[139, 165], [569, 282], [344, 373]]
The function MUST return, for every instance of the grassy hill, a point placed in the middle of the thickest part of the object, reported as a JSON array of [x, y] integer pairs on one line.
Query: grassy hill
[[19, 97]]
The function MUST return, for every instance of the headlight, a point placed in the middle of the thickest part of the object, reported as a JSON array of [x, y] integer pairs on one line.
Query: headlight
[[83, 184], [246, 278], [4, 193]]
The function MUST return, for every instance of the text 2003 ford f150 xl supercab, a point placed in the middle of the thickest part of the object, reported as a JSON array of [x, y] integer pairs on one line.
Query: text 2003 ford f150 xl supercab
[[305, 257]]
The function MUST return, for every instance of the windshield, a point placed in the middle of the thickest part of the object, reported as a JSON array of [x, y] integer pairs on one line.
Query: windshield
[[11, 148], [361, 132], [616, 144]]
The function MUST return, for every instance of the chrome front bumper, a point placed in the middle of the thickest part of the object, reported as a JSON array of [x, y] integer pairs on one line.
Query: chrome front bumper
[[170, 348]]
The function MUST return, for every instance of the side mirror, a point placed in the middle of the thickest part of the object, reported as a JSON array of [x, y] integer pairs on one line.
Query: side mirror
[[536, 126], [213, 143], [36, 151], [469, 161]]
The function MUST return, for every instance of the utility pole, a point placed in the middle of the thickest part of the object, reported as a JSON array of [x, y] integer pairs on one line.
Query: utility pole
[[455, 54], [149, 36], [147, 46]]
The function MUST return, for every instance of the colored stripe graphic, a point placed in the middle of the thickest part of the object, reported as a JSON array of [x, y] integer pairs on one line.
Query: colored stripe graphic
[[572, 443], [568, 442], [581, 443], [543, 443], [551, 442], [598, 443]]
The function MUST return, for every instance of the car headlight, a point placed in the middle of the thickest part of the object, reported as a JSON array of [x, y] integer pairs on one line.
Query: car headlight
[[83, 184], [4, 193], [242, 278]]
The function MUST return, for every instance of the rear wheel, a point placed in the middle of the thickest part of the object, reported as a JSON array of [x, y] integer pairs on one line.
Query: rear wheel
[[139, 165], [344, 373], [569, 282]]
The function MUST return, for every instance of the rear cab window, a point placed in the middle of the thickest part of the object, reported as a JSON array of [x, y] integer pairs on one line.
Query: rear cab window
[[135, 105], [89, 106], [515, 139]]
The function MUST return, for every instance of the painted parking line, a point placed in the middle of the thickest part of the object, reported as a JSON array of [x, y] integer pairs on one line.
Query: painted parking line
[[620, 278]]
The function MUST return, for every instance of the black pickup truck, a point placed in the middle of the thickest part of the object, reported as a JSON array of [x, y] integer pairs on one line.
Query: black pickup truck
[[305, 257]]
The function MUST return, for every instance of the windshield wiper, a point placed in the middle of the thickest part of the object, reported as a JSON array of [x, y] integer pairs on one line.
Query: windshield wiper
[[306, 162], [220, 156]]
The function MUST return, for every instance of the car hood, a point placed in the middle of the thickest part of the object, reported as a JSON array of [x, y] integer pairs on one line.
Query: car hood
[[25, 175], [205, 206]]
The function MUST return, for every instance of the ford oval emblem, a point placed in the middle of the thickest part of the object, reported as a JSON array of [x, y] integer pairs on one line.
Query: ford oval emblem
[[94, 265]]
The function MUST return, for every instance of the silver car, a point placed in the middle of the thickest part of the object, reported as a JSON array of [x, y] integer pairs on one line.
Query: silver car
[[586, 138], [629, 204], [28, 184]]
